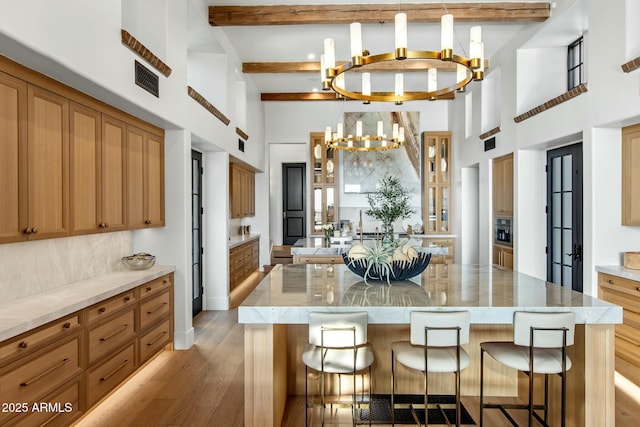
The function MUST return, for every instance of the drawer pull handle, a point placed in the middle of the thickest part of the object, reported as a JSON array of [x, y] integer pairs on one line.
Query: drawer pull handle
[[102, 310], [115, 371], [127, 299], [156, 339], [638, 289], [610, 281], [23, 344], [157, 308], [45, 372], [149, 288], [120, 330], [66, 325], [164, 281]]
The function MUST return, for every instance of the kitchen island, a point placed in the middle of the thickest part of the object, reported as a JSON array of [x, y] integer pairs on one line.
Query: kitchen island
[[275, 316]]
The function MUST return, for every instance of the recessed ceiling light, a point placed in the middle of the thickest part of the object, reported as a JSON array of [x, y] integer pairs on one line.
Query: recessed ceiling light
[[311, 56]]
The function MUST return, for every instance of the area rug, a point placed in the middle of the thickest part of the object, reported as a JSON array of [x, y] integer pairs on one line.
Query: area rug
[[381, 410]]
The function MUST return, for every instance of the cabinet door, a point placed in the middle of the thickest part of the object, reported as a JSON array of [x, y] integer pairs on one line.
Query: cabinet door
[[507, 191], [154, 180], [498, 196], [631, 175], [235, 187], [135, 178], [48, 164], [13, 157], [114, 149], [85, 168]]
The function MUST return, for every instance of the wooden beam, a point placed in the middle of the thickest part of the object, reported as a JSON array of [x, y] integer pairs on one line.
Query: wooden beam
[[314, 67], [376, 13], [318, 96]]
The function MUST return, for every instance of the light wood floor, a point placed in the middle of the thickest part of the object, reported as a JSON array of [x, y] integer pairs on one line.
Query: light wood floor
[[203, 386]]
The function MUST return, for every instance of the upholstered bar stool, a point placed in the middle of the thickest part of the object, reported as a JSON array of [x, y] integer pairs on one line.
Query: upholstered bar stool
[[435, 346], [539, 346], [337, 345]]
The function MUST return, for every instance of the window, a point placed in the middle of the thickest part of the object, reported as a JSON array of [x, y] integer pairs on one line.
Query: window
[[575, 63]]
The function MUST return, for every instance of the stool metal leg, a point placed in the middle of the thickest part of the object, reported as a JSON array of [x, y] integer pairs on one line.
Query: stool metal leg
[[481, 384], [393, 389]]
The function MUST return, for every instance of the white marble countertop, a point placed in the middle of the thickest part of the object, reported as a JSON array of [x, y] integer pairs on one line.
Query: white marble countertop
[[316, 246], [618, 270], [238, 240], [492, 295], [20, 315]]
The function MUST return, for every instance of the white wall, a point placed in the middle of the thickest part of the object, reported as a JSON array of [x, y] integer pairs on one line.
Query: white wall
[[469, 241]]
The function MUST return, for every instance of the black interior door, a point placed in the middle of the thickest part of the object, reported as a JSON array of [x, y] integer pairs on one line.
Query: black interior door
[[564, 216], [196, 229], [293, 202]]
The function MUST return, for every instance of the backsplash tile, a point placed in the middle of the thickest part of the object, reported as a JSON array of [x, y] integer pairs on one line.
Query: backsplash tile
[[30, 268]]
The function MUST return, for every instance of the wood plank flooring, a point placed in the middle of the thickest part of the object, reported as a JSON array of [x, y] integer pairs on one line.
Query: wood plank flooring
[[203, 386]]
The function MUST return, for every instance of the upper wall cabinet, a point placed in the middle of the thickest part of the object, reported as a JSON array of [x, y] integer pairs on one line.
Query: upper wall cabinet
[[242, 191], [145, 179], [64, 166], [437, 182], [13, 157], [503, 186], [97, 163], [631, 175]]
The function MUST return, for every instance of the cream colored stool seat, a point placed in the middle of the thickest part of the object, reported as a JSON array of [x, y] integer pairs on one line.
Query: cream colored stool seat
[[539, 346], [435, 346], [337, 345]]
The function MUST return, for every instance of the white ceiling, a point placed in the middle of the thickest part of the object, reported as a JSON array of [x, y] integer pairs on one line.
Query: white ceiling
[[295, 42]]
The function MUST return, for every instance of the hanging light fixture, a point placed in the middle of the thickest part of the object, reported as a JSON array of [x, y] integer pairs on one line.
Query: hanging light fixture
[[466, 70], [363, 142]]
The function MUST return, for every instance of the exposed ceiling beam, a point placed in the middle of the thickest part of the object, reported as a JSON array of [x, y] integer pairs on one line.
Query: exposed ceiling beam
[[317, 96], [314, 67], [376, 13]]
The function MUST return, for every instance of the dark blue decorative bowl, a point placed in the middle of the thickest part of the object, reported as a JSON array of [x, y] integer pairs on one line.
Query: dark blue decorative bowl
[[400, 270]]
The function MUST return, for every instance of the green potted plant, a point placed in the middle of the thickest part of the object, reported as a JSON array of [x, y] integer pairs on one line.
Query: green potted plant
[[389, 203]]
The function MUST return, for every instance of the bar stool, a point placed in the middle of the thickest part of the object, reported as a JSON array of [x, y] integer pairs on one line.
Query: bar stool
[[435, 346], [337, 345], [539, 346]]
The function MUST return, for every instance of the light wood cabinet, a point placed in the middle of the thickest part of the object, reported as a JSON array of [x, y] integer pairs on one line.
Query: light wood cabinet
[[324, 183], [631, 175], [503, 257], [244, 259], [436, 182], [80, 358], [145, 179], [13, 158], [315, 259], [242, 191], [48, 164], [503, 186], [625, 293], [63, 162]]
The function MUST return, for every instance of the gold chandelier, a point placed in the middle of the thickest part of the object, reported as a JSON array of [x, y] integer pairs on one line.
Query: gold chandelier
[[360, 142], [467, 69]]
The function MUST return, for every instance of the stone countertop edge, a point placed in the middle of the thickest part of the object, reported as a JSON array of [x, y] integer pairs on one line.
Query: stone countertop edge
[[238, 240], [23, 314], [618, 270]]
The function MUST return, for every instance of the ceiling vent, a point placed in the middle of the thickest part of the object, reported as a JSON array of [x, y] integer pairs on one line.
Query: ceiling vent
[[147, 80]]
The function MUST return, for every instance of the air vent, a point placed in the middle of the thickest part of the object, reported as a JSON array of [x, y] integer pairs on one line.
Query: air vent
[[240, 145], [147, 80]]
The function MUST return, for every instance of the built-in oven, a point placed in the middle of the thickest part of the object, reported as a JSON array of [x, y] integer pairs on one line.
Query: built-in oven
[[503, 232]]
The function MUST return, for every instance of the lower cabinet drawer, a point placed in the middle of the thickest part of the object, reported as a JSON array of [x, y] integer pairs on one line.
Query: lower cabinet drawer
[[154, 308], [57, 410], [31, 380], [155, 339], [108, 336], [102, 379], [628, 351]]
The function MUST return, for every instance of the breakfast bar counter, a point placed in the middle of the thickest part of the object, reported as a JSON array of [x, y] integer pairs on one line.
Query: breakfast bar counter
[[275, 315]]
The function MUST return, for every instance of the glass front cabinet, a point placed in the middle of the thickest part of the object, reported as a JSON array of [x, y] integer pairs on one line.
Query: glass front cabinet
[[324, 183], [437, 182]]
